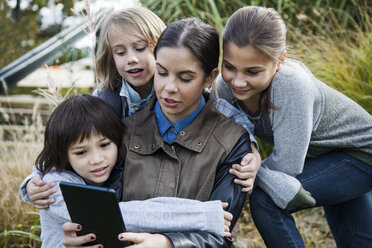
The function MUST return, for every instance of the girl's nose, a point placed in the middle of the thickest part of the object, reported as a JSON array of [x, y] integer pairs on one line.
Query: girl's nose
[[238, 82], [96, 158]]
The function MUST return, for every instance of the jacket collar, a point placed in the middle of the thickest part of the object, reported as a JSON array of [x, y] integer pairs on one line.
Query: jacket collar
[[146, 138]]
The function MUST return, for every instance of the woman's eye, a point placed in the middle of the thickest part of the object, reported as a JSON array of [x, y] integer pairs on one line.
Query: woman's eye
[[162, 74], [141, 49], [186, 80]]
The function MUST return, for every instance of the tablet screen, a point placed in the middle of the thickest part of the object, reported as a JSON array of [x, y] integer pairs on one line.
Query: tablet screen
[[97, 210]]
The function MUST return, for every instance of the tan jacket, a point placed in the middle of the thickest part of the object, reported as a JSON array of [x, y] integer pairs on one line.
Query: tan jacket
[[187, 167]]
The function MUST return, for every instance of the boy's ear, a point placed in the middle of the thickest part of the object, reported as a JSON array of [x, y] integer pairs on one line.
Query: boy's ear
[[210, 79]]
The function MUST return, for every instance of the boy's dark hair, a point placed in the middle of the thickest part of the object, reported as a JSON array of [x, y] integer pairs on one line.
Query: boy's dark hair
[[75, 119]]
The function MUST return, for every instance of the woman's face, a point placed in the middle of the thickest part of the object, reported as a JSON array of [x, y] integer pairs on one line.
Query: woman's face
[[179, 82], [247, 71]]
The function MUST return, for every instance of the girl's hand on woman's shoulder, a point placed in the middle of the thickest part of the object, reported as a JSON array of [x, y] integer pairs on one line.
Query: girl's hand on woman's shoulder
[[39, 192], [247, 170], [227, 217]]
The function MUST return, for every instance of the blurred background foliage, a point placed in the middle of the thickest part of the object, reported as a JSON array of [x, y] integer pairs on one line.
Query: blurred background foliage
[[311, 14], [332, 37], [20, 26]]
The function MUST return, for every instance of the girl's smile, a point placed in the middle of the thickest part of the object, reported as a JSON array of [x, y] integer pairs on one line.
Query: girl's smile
[[239, 91], [93, 159], [247, 71], [100, 171]]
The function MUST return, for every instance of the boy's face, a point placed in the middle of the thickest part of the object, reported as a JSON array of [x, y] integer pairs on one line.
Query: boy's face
[[134, 59], [93, 159]]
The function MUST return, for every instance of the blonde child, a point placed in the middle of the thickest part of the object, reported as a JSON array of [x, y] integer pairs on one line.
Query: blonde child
[[125, 61]]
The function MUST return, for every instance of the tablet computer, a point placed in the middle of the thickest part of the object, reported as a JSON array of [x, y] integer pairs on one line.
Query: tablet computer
[[97, 210]]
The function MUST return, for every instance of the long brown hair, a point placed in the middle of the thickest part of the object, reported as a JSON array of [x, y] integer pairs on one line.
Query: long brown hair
[[261, 28]]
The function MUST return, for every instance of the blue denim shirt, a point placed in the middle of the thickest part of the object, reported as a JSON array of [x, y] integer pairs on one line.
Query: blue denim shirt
[[168, 130], [134, 101], [236, 115]]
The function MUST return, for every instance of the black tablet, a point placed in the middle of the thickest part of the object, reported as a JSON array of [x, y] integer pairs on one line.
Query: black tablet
[[97, 210]]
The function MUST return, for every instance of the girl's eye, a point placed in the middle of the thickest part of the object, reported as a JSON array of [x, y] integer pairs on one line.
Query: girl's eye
[[106, 144], [252, 72], [228, 67], [141, 49], [79, 153]]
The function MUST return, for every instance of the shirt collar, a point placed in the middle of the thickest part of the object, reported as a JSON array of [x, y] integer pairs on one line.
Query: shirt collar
[[164, 124], [133, 99]]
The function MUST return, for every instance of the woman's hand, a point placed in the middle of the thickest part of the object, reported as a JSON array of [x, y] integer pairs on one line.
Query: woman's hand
[[71, 240], [146, 240], [227, 220], [38, 192], [247, 170]]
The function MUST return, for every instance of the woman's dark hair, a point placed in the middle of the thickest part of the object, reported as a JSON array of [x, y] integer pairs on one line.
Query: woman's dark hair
[[201, 39], [76, 119]]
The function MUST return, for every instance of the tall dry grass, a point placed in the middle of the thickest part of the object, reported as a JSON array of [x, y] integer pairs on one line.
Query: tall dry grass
[[19, 222], [22, 139], [340, 57]]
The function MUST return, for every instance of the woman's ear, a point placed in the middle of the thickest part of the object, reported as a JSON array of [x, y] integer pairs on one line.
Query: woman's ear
[[210, 79], [281, 60]]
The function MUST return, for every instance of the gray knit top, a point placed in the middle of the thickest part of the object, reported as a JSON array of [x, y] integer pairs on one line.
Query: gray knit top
[[310, 119]]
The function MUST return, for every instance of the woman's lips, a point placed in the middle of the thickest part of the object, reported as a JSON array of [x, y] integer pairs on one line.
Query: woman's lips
[[170, 102]]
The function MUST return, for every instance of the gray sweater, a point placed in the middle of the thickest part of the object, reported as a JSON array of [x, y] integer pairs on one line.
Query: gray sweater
[[162, 214], [311, 119]]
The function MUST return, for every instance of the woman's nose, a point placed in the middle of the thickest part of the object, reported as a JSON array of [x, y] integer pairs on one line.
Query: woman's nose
[[170, 86]]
